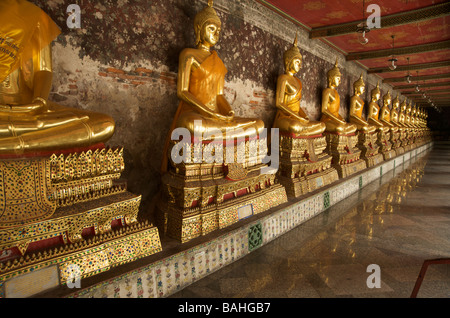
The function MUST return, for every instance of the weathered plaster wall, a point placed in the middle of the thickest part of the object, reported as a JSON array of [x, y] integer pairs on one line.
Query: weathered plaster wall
[[123, 62]]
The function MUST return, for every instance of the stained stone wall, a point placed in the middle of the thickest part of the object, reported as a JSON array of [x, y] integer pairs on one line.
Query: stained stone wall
[[123, 62]]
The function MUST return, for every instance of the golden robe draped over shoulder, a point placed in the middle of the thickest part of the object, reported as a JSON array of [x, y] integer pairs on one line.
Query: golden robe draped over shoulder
[[24, 31]]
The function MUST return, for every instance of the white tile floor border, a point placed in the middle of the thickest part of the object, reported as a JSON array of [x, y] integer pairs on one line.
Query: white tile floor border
[[172, 274]]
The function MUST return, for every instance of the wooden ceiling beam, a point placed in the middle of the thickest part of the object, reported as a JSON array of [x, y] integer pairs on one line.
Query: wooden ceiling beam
[[403, 68], [409, 86], [421, 48], [417, 78], [430, 92], [427, 13]]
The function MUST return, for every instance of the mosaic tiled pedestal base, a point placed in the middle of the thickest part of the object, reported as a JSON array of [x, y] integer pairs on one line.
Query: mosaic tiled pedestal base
[[345, 153], [171, 274], [367, 143], [67, 214], [198, 197], [383, 141], [304, 166]]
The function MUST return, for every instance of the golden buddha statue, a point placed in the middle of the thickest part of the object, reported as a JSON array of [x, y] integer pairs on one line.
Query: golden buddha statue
[[399, 135], [194, 194], [357, 106], [416, 122], [374, 110], [290, 117], [29, 122], [410, 122], [331, 103], [385, 112], [200, 87], [406, 140], [304, 166], [395, 112], [61, 197], [341, 136], [367, 135], [383, 126]]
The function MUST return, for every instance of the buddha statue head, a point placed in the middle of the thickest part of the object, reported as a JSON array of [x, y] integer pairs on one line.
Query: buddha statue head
[[403, 106], [359, 86], [334, 76], [293, 58], [387, 99], [376, 93], [396, 103], [207, 25], [409, 108]]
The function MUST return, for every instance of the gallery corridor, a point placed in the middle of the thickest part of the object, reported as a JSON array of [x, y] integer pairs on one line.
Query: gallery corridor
[[396, 222]]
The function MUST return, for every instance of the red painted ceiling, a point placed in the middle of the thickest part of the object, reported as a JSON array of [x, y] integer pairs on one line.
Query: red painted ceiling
[[319, 13]]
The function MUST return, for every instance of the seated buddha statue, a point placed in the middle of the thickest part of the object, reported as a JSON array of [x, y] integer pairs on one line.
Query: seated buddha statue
[[408, 115], [367, 135], [290, 116], [385, 112], [402, 114], [374, 110], [29, 122], [200, 87], [383, 125], [192, 195], [61, 186], [406, 136], [397, 131], [331, 103], [395, 112], [304, 166], [357, 106], [341, 136]]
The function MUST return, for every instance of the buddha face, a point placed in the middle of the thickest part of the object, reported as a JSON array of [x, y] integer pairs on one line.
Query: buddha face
[[387, 100], [210, 34], [376, 95], [295, 65], [359, 90], [334, 81], [395, 104]]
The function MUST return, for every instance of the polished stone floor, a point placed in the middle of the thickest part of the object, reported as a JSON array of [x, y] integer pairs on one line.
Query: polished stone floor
[[396, 222]]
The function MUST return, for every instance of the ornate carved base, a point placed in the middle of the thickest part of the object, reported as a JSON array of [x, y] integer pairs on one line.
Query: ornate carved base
[[399, 151], [383, 140], [346, 156], [304, 166], [397, 141], [367, 143], [39, 271], [52, 202], [184, 227], [197, 198], [296, 187]]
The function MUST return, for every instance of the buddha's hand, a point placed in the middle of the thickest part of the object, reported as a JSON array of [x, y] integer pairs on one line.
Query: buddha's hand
[[38, 106], [230, 115]]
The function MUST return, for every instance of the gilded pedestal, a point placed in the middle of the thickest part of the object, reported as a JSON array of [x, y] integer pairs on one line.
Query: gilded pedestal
[[304, 166], [367, 143], [346, 155], [383, 140], [199, 197], [67, 211]]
